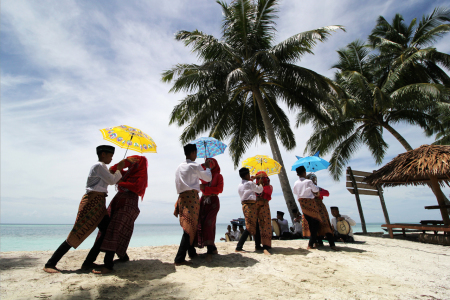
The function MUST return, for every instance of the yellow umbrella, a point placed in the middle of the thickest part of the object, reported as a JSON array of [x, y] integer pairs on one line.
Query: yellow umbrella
[[131, 138], [262, 163]]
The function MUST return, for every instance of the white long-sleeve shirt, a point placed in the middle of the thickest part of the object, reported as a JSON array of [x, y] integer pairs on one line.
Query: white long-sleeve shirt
[[297, 227], [247, 190], [348, 219], [99, 178], [188, 175], [284, 225], [304, 188]]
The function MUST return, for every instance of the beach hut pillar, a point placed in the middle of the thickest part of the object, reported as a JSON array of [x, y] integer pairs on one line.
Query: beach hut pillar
[[440, 198], [358, 201], [383, 206]]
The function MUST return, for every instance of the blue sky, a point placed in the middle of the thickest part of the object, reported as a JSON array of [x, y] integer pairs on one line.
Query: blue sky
[[70, 68]]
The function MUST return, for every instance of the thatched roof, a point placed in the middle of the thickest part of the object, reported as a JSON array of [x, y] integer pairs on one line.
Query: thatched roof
[[414, 167]]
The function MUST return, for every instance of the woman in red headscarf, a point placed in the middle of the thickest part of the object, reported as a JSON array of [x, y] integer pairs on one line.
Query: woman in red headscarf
[[123, 211], [209, 207], [263, 212]]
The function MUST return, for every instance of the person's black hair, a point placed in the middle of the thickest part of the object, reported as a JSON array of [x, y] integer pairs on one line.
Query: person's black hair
[[334, 207], [104, 148], [189, 148], [240, 226], [243, 172], [300, 170], [235, 225]]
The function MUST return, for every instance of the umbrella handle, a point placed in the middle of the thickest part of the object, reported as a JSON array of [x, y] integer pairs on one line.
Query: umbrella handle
[[128, 146]]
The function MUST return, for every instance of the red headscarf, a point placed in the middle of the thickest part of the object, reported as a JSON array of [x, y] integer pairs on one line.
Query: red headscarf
[[216, 184], [135, 179], [261, 177]]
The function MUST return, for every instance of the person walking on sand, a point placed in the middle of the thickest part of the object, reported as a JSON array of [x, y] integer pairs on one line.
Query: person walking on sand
[[92, 210], [187, 207], [209, 207], [304, 190], [123, 212], [255, 206]]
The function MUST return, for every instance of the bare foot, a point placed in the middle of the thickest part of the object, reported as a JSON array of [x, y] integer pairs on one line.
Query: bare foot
[[335, 248], [208, 257], [51, 270], [215, 252], [102, 271], [183, 263], [239, 251], [311, 248], [266, 252]]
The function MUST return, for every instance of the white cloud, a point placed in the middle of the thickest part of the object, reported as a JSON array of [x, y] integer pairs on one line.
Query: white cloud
[[76, 67]]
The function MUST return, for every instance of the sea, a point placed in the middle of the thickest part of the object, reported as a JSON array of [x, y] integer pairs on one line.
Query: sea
[[33, 237]]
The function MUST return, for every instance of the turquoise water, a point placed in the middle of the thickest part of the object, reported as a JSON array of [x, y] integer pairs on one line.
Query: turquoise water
[[49, 237]]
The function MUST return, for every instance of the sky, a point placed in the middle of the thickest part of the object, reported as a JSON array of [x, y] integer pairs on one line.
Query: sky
[[70, 68]]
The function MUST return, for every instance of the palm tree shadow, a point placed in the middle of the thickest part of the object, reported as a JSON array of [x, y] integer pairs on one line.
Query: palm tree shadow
[[8, 263], [230, 260]]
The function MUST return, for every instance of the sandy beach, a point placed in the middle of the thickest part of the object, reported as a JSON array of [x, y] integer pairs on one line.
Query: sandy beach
[[379, 269]]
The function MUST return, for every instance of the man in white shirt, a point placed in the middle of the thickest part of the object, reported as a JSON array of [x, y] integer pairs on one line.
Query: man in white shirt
[[247, 189], [187, 207], [235, 233], [92, 209], [297, 226], [347, 238], [304, 190], [283, 225]]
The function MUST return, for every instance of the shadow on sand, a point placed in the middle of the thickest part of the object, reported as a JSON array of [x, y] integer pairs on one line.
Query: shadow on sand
[[7, 263], [230, 260]]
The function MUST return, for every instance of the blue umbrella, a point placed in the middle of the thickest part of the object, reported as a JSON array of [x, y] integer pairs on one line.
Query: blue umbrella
[[209, 147], [311, 163]]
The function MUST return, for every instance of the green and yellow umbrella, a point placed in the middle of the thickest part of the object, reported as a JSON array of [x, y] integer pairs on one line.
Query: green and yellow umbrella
[[129, 137], [262, 163]]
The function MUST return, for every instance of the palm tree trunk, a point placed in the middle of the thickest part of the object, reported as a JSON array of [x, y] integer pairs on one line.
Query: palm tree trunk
[[408, 148], [284, 181], [398, 136]]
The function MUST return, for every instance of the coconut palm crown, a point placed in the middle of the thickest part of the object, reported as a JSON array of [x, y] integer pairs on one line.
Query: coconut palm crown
[[236, 91]]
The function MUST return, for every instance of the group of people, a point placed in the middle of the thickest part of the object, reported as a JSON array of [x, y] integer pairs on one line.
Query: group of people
[[197, 216]]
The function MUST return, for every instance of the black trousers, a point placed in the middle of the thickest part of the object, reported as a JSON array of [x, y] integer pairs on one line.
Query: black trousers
[[211, 249], [330, 239], [245, 235], [314, 225], [65, 247], [345, 237], [185, 246], [95, 250]]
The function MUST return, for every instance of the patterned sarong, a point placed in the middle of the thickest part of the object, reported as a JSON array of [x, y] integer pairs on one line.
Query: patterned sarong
[[258, 211], [123, 212], [315, 208], [91, 211], [206, 233], [188, 207]]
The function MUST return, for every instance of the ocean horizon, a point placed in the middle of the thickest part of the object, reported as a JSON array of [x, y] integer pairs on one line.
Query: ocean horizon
[[43, 237]]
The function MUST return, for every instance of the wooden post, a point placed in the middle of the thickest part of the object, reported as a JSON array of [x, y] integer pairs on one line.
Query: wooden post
[[385, 212], [358, 201], [440, 199]]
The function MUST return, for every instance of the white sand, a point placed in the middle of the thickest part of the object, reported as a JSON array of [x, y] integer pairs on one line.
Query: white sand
[[379, 269]]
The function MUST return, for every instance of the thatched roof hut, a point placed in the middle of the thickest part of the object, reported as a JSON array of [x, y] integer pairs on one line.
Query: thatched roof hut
[[428, 164], [415, 167]]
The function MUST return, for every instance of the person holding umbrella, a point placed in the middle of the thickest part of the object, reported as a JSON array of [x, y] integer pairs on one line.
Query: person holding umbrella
[[187, 207], [92, 210]]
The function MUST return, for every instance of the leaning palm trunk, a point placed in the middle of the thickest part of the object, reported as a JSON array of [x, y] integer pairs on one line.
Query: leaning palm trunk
[[407, 147], [284, 181]]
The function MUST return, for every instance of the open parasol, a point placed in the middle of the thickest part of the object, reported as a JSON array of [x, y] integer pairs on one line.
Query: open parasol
[[131, 138], [426, 165], [262, 163]]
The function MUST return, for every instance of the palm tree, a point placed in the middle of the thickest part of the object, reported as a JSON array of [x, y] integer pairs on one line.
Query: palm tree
[[366, 109], [401, 46], [236, 90]]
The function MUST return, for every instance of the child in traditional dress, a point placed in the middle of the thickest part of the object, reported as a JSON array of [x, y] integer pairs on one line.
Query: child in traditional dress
[[187, 207], [92, 210]]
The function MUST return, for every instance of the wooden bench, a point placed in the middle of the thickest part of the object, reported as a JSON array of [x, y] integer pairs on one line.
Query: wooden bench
[[403, 226]]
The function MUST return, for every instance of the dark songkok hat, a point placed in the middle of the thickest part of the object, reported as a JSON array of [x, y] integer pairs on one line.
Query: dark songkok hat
[[334, 207], [280, 213], [105, 148], [300, 170], [189, 148], [243, 172]]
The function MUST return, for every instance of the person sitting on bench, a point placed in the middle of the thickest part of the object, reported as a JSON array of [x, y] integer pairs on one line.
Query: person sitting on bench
[[347, 238], [296, 228]]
